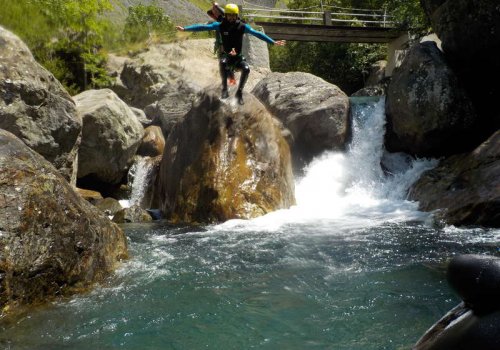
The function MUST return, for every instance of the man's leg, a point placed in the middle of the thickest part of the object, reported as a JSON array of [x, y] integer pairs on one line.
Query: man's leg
[[223, 69], [245, 71]]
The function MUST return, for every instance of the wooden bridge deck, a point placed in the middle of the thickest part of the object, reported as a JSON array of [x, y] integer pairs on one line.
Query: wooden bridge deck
[[329, 33]]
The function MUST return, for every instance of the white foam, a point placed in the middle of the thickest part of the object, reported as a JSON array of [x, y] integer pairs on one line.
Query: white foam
[[351, 189]]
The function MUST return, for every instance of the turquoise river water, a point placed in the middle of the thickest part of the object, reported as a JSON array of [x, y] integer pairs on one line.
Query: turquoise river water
[[353, 265]]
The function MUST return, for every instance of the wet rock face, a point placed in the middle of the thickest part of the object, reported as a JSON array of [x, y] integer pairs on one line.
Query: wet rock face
[[428, 112], [475, 323], [467, 186], [52, 241], [111, 136], [315, 112], [35, 107], [476, 278], [224, 161], [470, 35]]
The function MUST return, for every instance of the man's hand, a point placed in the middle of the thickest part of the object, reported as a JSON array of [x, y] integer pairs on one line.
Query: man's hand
[[179, 28], [280, 42], [233, 52]]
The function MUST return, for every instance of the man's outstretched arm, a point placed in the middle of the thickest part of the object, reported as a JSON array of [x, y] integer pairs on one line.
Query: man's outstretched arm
[[199, 27], [263, 36]]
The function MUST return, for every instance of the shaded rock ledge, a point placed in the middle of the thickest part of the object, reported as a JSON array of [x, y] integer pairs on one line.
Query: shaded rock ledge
[[466, 187]]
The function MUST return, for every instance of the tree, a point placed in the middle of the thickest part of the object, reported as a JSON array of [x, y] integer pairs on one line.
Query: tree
[[64, 35], [146, 20], [80, 39]]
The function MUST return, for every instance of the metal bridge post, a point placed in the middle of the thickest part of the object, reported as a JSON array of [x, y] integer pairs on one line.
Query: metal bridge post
[[327, 18]]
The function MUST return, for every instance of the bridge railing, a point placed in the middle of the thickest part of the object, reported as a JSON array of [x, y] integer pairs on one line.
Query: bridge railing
[[327, 15]]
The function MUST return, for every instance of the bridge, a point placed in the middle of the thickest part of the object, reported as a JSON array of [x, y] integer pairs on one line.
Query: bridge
[[324, 23]]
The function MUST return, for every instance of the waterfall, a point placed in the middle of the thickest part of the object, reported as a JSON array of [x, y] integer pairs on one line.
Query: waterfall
[[139, 175], [363, 186]]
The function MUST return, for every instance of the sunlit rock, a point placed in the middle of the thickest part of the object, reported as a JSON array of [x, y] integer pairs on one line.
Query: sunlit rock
[[224, 161], [52, 241], [315, 112], [89, 195], [36, 108], [108, 206], [132, 214], [465, 188], [152, 143], [110, 138]]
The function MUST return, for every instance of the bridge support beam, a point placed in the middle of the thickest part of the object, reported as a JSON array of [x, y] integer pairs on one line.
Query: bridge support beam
[[396, 51], [327, 18]]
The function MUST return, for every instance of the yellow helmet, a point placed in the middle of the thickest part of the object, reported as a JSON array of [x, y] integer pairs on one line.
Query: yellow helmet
[[231, 9]]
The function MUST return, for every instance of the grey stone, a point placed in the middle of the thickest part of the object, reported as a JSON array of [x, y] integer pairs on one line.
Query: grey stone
[[315, 112], [428, 112], [111, 135], [36, 108]]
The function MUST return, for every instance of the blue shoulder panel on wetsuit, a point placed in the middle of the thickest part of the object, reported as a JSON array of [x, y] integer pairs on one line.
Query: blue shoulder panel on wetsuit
[[202, 27], [258, 34]]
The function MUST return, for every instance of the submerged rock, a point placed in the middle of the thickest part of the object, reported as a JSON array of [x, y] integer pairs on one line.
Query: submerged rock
[[52, 241], [466, 187], [315, 112], [35, 107], [224, 161]]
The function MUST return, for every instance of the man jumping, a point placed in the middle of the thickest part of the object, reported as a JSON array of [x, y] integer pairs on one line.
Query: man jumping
[[231, 30]]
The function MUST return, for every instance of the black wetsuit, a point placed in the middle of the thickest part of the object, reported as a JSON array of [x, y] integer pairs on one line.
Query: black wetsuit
[[232, 38]]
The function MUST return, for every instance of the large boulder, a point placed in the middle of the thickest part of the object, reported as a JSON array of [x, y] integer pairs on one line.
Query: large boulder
[[315, 111], [36, 108], [466, 187], [256, 51], [110, 138], [52, 241], [470, 35], [171, 103], [224, 161], [428, 112]]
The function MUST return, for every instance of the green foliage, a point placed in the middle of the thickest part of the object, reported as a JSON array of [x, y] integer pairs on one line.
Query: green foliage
[[69, 37], [345, 65], [409, 15], [64, 35], [143, 21]]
